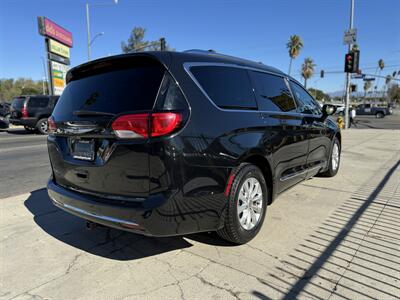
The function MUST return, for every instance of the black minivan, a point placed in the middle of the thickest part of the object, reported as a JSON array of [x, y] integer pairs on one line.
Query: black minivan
[[169, 143]]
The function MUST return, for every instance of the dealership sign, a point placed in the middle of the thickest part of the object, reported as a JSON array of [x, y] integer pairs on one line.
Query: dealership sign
[[58, 48], [58, 73], [50, 29]]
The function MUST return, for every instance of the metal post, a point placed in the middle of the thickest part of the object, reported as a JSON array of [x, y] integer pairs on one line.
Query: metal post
[[347, 103], [88, 30], [45, 76]]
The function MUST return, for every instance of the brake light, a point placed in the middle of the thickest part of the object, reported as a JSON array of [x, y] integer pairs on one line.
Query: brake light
[[146, 125], [51, 125], [24, 112]]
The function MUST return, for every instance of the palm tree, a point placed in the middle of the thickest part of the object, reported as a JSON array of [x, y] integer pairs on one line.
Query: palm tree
[[307, 69], [381, 65], [388, 79], [294, 46], [367, 86]]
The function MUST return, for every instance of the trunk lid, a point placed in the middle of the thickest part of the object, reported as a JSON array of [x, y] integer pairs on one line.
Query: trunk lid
[[84, 152]]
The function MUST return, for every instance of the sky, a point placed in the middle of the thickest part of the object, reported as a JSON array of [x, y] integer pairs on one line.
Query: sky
[[256, 30]]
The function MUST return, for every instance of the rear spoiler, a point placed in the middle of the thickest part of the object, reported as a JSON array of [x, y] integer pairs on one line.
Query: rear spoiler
[[117, 61]]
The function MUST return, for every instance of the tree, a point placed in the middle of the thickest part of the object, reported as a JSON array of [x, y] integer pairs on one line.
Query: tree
[[367, 86], [294, 46], [319, 94], [394, 93], [307, 69], [381, 66], [137, 42], [10, 88]]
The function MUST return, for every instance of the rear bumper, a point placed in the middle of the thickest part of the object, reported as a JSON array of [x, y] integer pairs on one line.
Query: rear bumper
[[155, 215], [30, 122]]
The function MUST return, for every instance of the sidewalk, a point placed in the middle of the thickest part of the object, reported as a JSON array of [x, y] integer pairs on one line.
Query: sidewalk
[[327, 238]]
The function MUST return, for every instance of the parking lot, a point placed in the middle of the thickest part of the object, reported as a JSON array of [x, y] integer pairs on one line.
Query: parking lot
[[323, 239]]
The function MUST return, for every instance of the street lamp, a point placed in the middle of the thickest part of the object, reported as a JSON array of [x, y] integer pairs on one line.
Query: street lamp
[[89, 41], [96, 36]]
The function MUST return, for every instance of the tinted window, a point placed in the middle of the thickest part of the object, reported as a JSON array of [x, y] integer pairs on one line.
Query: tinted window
[[38, 102], [114, 91], [18, 103], [170, 96], [272, 92], [306, 103], [227, 87]]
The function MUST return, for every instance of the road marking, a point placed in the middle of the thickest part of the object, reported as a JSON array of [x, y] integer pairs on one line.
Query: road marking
[[22, 148]]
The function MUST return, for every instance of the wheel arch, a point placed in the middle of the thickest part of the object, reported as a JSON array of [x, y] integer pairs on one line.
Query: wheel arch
[[264, 165]]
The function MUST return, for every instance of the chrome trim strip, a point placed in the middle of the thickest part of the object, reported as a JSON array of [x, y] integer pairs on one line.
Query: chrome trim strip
[[86, 213], [290, 176]]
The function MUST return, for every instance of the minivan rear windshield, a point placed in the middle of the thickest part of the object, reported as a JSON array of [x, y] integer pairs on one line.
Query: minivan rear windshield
[[114, 91], [17, 103]]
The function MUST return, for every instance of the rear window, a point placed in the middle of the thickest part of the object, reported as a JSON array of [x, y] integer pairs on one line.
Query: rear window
[[227, 87], [272, 92], [18, 103], [38, 102], [116, 90]]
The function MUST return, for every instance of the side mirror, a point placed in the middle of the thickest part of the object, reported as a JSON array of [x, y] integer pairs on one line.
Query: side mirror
[[328, 110]]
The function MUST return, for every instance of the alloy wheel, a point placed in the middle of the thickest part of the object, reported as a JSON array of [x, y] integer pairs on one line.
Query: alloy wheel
[[249, 204]]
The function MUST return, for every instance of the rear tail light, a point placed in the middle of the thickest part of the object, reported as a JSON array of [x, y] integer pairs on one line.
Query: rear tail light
[[24, 112], [146, 125], [51, 126]]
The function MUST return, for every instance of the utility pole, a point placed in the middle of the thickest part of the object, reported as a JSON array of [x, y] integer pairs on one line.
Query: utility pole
[[347, 101]]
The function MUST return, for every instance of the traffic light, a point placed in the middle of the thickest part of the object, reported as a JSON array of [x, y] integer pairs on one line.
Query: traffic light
[[322, 73], [351, 62], [353, 88]]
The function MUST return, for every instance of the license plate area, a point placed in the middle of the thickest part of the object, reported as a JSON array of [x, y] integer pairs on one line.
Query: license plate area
[[82, 149]]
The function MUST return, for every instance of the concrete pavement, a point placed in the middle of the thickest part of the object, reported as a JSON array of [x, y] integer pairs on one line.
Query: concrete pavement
[[327, 238]]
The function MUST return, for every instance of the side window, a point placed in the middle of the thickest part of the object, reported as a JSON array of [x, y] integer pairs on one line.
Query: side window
[[306, 103], [272, 92], [227, 87], [38, 102], [170, 96]]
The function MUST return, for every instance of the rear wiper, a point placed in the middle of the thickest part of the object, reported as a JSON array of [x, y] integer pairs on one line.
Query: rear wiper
[[91, 113]]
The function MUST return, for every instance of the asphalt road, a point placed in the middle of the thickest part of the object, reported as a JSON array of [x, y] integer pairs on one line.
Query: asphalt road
[[24, 162], [327, 238], [388, 122]]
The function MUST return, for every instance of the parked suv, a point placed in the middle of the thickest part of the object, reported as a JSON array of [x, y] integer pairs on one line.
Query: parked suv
[[32, 111], [168, 143]]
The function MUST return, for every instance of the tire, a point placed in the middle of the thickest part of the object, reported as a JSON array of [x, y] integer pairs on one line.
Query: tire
[[41, 126], [379, 115], [333, 167], [233, 231]]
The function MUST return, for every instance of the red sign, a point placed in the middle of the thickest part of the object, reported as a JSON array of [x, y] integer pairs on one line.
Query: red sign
[[51, 29]]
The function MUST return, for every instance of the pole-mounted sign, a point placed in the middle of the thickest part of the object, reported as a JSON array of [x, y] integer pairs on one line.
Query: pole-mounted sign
[[58, 42]]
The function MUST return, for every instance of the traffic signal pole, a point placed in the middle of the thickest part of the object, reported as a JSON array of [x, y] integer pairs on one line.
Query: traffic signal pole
[[347, 101]]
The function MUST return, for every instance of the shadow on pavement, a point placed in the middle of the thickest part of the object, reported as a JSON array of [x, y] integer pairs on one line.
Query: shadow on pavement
[[103, 241], [355, 252]]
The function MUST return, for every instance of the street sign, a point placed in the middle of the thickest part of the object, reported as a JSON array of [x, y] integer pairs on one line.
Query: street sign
[[357, 76], [350, 36], [58, 58], [369, 79], [58, 73], [58, 48], [50, 29]]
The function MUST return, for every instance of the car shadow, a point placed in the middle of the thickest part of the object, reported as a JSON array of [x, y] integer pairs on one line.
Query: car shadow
[[104, 241]]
